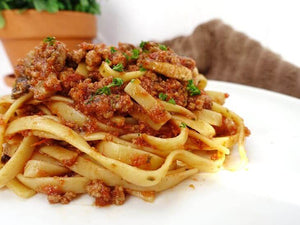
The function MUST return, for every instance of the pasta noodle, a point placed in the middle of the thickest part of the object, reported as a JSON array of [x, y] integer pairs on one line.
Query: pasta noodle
[[131, 121]]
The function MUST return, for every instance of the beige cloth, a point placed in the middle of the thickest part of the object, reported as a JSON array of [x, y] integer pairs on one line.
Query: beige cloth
[[222, 53]]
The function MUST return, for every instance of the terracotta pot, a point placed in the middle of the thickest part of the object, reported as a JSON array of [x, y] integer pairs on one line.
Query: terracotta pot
[[25, 30]]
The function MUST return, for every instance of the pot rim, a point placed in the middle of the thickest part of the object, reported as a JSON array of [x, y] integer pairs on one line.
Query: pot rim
[[33, 24]]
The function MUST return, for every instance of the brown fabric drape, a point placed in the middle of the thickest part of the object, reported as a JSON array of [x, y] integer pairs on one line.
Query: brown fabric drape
[[222, 53]]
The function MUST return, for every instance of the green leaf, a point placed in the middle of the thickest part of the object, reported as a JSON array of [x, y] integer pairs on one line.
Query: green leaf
[[61, 6], [84, 3], [89, 6], [50, 40], [182, 125], [4, 5], [135, 53], [104, 90], [142, 44], [94, 8], [119, 67], [193, 90], [162, 96], [163, 47], [142, 69], [172, 101], [107, 61], [116, 82], [126, 56], [2, 21], [68, 5], [112, 50], [52, 6], [40, 5]]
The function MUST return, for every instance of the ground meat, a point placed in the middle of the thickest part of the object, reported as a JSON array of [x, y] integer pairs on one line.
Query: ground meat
[[174, 89], [227, 128], [159, 53], [50, 69], [105, 195], [69, 79], [101, 105], [118, 195], [199, 102], [141, 161], [61, 198], [77, 55], [93, 59], [41, 68]]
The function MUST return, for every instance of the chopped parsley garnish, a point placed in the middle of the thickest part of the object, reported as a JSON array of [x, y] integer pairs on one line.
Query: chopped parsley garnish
[[182, 125], [116, 82], [135, 53], [132, 80], [112, 50], [172, 101], [192, 88], [162, 96], [107, 61], [126, 56], [142, 44], [103, 90], [50, 40], [163, 47], [142, 69], [119, 67]]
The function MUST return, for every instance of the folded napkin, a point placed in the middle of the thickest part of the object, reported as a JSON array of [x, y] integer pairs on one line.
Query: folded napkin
[[222, 53]]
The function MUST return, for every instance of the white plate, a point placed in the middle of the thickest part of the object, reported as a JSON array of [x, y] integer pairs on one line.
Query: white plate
[[267, 193]]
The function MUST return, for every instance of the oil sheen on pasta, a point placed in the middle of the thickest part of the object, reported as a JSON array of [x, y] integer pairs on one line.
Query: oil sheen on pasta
[[111, 122]]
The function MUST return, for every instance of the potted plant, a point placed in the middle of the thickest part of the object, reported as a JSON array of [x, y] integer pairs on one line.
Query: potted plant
[[24, 23]]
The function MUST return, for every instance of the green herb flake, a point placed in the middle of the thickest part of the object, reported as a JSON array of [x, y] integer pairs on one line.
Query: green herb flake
[[193, 90], [90, 99], [119, 67], [142, 44], [162, 96], [107, 61], [126, 56], [117, 82], [163, 47], [112, 50], [135, 53], [50, 40], [142, 69], [104, 90], [182, 125], [132, 80], [172, 101]]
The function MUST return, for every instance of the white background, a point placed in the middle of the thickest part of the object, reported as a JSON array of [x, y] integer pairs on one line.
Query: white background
[[274, 23]]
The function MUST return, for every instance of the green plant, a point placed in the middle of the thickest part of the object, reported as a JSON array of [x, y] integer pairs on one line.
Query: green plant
[[52, 6]]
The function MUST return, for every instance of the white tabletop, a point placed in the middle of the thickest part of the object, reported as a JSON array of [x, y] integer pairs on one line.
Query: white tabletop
[[274, 23]]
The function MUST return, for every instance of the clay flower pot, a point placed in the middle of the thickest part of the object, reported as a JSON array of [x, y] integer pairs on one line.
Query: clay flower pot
[[25, 30]]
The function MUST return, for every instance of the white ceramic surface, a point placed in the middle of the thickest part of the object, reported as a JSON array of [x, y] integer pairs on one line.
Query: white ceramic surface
[[266, 193]]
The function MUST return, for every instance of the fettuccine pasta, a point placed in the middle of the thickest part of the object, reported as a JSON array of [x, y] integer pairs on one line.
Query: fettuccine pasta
[[110, 122]]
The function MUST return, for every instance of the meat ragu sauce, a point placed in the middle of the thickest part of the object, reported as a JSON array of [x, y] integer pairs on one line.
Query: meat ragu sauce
[[52, 69]]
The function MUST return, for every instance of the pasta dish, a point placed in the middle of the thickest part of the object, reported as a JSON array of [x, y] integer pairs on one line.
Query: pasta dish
[[111, 122]]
